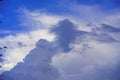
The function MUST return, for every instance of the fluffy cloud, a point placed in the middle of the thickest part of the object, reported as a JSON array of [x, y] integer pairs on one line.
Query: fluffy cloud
[[19, 46], [93, 56], [89, 61], [36, 65], [90, 53], [20, 43]]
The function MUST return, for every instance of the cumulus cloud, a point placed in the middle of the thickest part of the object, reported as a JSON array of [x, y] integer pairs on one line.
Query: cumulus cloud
[[19, 46], [20, 43], [92, 55], [89, 61], [36, 65], [87, 53]]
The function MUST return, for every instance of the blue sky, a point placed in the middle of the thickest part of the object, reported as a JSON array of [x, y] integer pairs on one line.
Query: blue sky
[[9, 9]]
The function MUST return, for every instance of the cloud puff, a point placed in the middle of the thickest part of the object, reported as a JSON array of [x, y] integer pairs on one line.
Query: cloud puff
[[37, 68], [19, 46], [20, 43]]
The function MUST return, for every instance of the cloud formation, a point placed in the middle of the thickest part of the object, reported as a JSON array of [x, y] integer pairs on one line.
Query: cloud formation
[[20, 43], [93, 48], [65, 31], [19, 46], [89, 61], [38, 68], [37, 19], [95, 55]]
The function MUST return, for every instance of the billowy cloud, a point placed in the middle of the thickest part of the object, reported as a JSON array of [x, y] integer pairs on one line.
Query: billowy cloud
[[38, 67], [92, 56], [93, 49], [89, 61], [19, 46]]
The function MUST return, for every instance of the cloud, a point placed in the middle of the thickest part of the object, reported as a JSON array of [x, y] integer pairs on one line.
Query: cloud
[[95, 57], [113, 19], [89, 61], [110, 28], [93, 50], [93, 14], [65, 31], [20, 43], [19, 46], [41, 19], [37, 68], [92, 55]]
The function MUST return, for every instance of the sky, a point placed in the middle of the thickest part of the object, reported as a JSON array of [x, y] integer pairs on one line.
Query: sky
[[45, 37], [10, 9]]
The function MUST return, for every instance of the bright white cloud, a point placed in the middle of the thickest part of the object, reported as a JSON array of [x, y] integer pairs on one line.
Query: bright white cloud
[[38, 19], [20, 45], [36, 65]]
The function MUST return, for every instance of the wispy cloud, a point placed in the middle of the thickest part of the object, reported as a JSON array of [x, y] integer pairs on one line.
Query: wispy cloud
[[37, 19]]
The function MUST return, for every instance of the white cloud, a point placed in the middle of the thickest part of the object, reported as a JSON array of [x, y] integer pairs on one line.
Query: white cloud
[[19, 46], [40, 19], [85, 59], [113, 19], [36, 65], [86, 62], [94, 14]]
